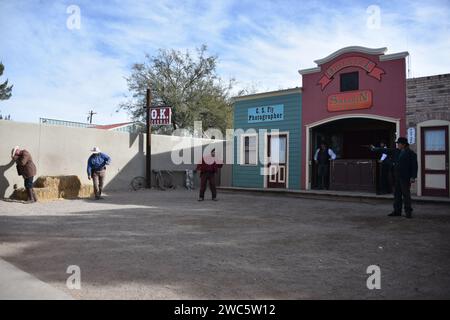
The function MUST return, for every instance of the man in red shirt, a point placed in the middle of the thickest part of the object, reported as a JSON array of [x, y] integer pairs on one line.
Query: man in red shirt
[[207, 170]]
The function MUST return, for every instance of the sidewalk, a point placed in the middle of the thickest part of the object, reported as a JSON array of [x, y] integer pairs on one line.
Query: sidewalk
[[331, 195], [16, 284]]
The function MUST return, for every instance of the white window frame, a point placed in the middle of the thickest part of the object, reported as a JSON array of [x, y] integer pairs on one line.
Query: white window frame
[[242, 149]]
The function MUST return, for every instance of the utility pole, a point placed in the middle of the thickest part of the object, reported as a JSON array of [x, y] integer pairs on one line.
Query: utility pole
[[149, 141], [90, 114]]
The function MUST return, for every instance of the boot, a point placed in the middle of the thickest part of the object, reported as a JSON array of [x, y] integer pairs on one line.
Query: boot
[[394, 214], [30, 196], [35, 199]]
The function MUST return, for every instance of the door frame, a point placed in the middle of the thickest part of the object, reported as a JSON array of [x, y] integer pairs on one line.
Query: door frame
[[266, 136], [420, 147], [308, 137], [419, 126]]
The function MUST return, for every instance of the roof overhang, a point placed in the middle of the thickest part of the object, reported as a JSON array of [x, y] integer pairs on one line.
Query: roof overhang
[[350, 49], [267, 94]]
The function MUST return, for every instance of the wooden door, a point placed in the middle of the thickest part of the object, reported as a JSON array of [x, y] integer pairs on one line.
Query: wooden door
[[277, 166], [435, 172]]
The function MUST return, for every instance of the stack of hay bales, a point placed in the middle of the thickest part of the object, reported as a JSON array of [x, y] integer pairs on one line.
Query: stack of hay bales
[[49, 188]]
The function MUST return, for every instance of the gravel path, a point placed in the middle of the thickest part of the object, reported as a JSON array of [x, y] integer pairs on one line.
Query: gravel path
[[166, 245]]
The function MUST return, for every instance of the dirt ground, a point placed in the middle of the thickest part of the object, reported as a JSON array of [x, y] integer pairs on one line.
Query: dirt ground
[[166, 245]]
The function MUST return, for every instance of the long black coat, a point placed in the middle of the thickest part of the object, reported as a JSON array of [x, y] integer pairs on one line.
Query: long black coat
[[404, 162]]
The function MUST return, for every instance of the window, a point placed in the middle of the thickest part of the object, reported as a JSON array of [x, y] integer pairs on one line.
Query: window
[[278, 149], [349, 81], [249, 150], [435, 140]]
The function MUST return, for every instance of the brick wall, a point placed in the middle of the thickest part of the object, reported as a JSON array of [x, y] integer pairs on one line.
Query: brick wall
[[427, 98]]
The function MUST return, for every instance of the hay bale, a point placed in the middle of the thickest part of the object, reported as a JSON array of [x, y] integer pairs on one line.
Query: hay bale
[[46, 194], [86, 191], [49, 188]]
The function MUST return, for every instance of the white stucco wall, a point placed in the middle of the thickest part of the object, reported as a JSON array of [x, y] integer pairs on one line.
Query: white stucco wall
[[59, 150]]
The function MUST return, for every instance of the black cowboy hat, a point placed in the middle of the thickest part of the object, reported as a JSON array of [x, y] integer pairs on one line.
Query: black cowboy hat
[[402, 140]]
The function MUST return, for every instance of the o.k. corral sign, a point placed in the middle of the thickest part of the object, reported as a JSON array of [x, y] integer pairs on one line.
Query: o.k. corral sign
[[266, 113], [161, 115]]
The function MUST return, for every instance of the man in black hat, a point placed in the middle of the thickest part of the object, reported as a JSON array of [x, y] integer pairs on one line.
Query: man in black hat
[[405, 173]]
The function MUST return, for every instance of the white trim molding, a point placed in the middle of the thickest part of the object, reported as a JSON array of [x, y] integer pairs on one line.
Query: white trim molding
[[377, 51], [394, 56], [419, 126], [265, 162], [242, 149], [349, 50], [267, 94], [310, 70]]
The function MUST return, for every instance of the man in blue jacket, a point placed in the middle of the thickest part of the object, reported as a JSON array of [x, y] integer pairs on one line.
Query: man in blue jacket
[[96, 169], [405, 173]]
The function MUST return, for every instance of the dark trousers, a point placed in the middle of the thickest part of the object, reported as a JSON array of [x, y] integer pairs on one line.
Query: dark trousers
[[98, 178], [28, 182], [204, 178], [402, 195], [323, 171]]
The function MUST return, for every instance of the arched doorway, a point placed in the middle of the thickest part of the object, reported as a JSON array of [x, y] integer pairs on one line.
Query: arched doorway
[[355, 167]]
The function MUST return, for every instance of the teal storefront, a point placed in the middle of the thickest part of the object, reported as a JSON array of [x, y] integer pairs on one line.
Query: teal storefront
[[267, 143]]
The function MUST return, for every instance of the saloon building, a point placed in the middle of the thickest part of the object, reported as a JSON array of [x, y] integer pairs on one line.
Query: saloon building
[[351, 99]]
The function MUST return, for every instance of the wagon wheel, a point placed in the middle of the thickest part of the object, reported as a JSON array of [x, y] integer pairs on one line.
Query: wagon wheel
[[138, 183]]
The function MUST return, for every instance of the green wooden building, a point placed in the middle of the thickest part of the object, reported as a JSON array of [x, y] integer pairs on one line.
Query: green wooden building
[[267, 143]]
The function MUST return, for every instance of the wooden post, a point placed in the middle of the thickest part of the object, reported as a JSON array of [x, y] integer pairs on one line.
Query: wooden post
[[149, 142]]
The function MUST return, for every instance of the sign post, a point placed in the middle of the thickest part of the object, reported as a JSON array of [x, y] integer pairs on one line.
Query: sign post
[[148, 166], [159, 115]]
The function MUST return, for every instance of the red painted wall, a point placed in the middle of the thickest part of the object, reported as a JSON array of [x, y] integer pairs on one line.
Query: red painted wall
[[389, 94]]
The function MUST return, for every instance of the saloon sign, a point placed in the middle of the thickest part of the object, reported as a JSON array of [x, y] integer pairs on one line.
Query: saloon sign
[[161, 115], [350, 100], [361, 62]]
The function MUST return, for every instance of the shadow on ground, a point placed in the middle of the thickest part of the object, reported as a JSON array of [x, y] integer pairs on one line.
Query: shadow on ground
[[166, 245]]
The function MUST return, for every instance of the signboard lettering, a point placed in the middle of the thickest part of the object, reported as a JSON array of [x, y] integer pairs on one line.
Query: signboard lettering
[[360, 62], [266, 113], [361, 99], [161, 115]]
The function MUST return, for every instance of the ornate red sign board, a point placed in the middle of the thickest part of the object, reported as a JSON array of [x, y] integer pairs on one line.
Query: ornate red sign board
[[350, 100], [360, 62], [161, 115]]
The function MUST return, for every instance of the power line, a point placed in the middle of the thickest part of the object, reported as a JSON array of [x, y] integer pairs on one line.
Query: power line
[[90, 115]]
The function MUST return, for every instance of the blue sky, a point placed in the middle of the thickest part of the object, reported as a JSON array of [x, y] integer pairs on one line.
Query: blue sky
[[62, 73]]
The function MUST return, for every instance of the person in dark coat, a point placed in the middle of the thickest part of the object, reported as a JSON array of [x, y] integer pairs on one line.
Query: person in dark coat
[[405, 173], [26, 169], [384, 186], [207, 170]]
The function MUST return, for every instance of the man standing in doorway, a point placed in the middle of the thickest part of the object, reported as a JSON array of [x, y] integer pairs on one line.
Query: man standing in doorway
[[207, 170], [96, 169], [322, 158], [405, 173], [385, 169], [26, 169]]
